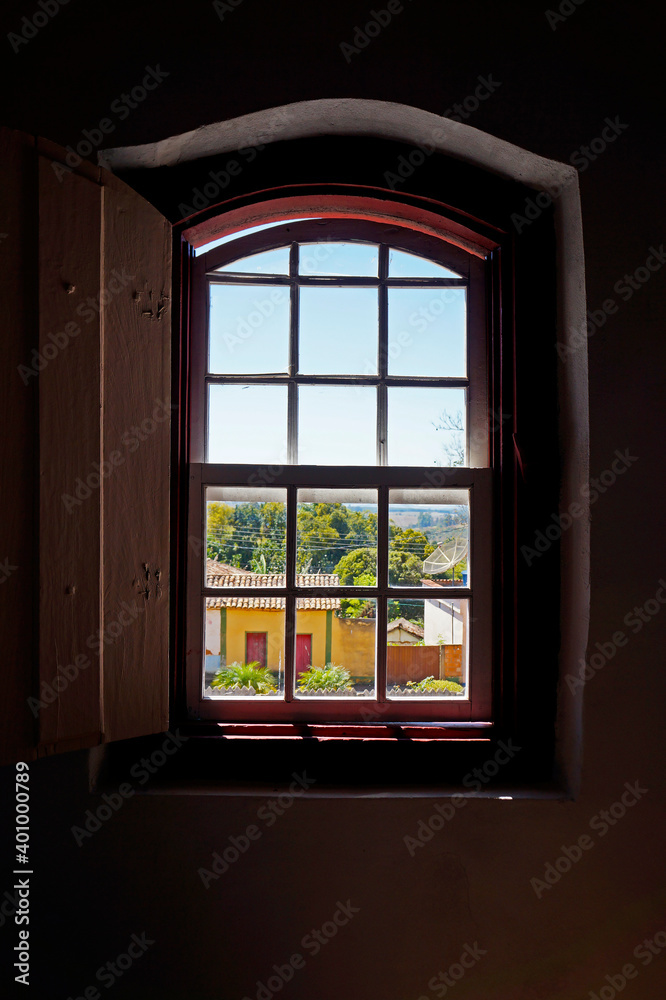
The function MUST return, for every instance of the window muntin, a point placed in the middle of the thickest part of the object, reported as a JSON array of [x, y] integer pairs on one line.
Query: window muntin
[[311, 458]]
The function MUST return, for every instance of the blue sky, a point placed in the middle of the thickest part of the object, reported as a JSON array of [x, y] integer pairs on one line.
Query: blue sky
[[249, 334]]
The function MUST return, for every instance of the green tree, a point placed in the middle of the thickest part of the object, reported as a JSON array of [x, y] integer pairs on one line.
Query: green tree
[[328, 531], [360, 607], [424, 520], [268, 552], [411, 610], [248, 535], [410, 540], [220, 529], [354, 564], [405, 569]]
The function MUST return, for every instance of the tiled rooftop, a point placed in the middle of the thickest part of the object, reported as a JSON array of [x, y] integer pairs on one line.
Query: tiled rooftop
[[224, 576], [406, 626]]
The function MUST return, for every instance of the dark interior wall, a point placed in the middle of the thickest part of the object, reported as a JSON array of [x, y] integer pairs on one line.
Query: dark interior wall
[[471, 882]]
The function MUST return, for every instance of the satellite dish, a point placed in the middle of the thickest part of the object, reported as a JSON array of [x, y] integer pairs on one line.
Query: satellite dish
[[446, 555]]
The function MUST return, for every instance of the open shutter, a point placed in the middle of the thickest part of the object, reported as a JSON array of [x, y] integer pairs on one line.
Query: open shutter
[[136, 406], [70, 556], [96, 259]]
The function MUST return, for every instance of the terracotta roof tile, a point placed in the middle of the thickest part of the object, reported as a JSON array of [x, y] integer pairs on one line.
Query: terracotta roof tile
[[215, 568], [268, 603], [223, 576], [407, 626]]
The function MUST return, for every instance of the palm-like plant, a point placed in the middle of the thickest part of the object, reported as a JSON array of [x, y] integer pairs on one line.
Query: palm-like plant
[[245, 675], [328, 678]]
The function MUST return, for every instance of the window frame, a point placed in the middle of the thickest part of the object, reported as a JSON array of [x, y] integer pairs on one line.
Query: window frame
[[474, 267]]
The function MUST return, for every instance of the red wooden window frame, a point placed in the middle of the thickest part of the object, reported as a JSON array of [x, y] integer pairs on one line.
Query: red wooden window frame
[[477, 478], [525, 441]]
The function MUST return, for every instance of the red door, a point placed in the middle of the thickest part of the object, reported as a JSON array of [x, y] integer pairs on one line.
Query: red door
[[303, 653], [255, 647]]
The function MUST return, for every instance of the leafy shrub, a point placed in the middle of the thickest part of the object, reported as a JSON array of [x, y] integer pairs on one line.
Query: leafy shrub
[[430, 684], [245, 675], [358, 562], [355, 607], [358, 607], [330, 677], [404, 568]]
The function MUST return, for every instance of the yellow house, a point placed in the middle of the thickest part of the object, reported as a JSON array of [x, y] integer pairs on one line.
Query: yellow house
[[251, 628]]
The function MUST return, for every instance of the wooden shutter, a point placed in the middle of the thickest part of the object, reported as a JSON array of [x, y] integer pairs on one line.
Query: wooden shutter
[[94, 419], [136, 333]]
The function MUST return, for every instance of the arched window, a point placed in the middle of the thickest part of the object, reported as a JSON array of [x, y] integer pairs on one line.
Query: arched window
[[340, 518], [465, 201]]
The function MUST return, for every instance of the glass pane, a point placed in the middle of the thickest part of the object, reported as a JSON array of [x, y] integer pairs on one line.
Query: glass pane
[[246, 537], [337, 425], [345, 259], [335, 648], [338, 332], [267, 262], [426, 427], [246, 232], [426, 654], [249, 329], [247, 424], [428, 538], [409, 265], [244, 646], [336, 538], [426, 331]]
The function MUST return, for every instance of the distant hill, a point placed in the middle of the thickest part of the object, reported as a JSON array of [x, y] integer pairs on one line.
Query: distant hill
[[432, 523]]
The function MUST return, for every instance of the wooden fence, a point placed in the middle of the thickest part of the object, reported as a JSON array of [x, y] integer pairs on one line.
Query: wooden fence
[[413, 663]]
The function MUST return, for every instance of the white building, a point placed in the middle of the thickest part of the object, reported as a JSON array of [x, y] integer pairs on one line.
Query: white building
[[444, 621]]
